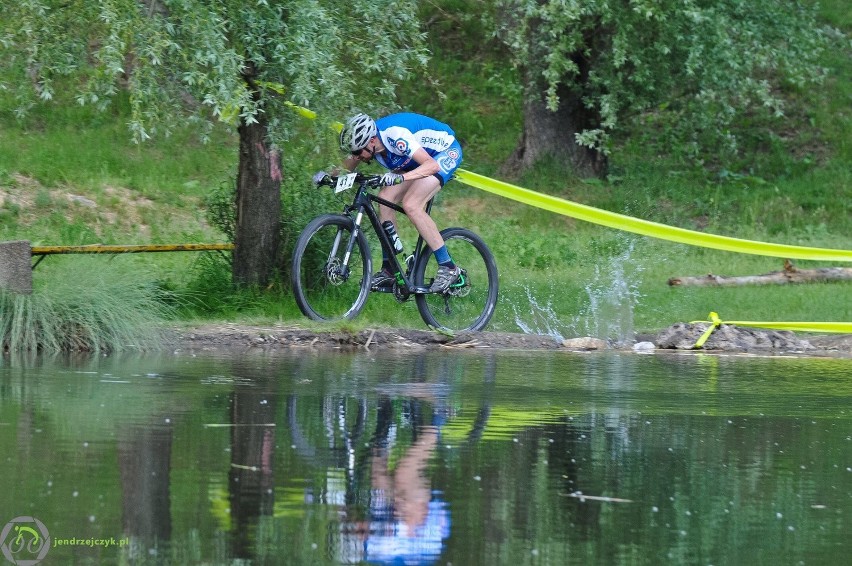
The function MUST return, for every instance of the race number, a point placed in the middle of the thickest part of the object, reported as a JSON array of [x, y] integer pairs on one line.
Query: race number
[[344, 182]]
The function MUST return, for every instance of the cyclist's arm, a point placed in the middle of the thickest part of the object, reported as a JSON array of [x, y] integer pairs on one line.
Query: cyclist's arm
[[426, 166], [350, 163]]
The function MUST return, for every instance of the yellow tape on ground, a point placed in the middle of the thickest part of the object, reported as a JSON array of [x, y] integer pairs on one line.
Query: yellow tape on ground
[[826, 327], [645, 227], [715, 321]]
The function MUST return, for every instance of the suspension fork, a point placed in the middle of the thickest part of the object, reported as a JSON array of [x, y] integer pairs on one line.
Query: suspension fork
[[353, 239]]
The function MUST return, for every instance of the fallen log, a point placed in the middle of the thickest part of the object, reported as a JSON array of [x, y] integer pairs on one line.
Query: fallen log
[[789, 275]]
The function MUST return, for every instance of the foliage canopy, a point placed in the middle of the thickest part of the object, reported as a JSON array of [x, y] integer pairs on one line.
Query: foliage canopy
[[708, 64], [189, 59]]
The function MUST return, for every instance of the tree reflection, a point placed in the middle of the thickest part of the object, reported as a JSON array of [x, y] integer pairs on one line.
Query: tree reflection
[[144, 460], [251, 479]]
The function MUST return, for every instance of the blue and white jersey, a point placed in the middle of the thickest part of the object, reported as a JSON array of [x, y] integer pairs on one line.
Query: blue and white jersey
[[403, 134]]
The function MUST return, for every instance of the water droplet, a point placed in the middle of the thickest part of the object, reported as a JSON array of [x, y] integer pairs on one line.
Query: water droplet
[[477, 478], [778, 515], [655, 509], [75, 494]]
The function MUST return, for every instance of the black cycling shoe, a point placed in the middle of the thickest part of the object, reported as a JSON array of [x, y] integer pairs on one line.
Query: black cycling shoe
[[382, 281], [445, 277]]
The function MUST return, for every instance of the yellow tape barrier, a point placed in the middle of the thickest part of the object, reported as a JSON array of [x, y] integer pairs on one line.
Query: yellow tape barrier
[[828, 327], [645, 227]]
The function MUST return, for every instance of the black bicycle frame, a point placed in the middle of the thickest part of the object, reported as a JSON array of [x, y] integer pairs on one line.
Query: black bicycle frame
[[363, 203]]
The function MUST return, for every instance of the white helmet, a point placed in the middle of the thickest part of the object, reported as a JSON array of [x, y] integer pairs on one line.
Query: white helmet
[[357, 132]]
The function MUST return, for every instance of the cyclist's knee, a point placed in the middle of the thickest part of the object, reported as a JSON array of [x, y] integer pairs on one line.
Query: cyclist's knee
[[393, 193]]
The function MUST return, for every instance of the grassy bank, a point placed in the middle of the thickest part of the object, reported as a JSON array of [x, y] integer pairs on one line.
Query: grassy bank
[[70, 176]]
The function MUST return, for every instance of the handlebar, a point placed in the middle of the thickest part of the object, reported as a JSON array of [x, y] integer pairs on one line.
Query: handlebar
[[370, 181]]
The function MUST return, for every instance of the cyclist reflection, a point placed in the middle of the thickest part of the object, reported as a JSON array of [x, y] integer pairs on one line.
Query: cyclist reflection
[[406, 521]]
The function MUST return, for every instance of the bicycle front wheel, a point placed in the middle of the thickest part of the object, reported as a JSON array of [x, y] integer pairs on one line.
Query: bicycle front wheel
[[468, 304], [326, 288]]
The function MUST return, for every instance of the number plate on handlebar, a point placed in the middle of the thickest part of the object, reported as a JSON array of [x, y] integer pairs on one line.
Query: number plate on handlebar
[[344, 182]]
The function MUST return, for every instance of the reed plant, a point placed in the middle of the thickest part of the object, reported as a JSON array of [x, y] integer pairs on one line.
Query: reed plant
[[85, 305]]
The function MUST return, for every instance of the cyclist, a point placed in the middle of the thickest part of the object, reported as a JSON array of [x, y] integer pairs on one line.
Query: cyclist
[[421, 154]]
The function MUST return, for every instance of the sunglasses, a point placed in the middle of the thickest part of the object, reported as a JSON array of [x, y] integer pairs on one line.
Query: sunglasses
[[358, 152]]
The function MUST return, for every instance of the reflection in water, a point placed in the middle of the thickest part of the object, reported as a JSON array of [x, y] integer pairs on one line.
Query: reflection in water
[[403, 519], [251, 478], [144, 460], [389, 510], [436, 457]]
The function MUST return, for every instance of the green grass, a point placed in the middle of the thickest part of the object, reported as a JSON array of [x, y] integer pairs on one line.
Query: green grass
[[558, 275], [85, 305]]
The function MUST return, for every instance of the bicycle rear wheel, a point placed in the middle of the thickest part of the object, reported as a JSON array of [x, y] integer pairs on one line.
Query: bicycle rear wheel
[[468, 304], [323, 287]]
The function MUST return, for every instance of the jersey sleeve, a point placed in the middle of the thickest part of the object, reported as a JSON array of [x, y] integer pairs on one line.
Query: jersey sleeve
[[400, 141]]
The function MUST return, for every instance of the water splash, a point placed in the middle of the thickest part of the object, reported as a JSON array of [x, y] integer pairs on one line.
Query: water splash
[[608, 306], [613, 295], [538, 319]]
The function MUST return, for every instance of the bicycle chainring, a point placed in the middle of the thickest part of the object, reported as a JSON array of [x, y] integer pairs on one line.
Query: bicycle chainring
[[400, 293]]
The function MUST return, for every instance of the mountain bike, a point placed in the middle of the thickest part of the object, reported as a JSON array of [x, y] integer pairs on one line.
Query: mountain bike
[[332, 265]]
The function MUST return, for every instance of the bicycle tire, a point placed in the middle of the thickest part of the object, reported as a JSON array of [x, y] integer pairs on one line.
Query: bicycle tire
[[320, 290], [470, 306]]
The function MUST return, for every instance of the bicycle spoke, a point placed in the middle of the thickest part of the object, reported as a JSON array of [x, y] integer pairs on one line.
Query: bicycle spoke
[[469, 303], [325, 287]]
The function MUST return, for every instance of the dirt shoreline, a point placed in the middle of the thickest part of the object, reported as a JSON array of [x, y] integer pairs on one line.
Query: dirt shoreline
[[229, 336]]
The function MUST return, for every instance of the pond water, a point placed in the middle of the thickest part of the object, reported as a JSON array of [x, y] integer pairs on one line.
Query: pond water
[[450, 457]]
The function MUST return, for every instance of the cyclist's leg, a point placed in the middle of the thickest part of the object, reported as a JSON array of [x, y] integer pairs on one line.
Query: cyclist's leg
[[393, 193], [422, 190], [414, 203]]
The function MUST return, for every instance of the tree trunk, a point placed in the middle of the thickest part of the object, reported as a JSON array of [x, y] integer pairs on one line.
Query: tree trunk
[[551, 134], [258, 223]]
